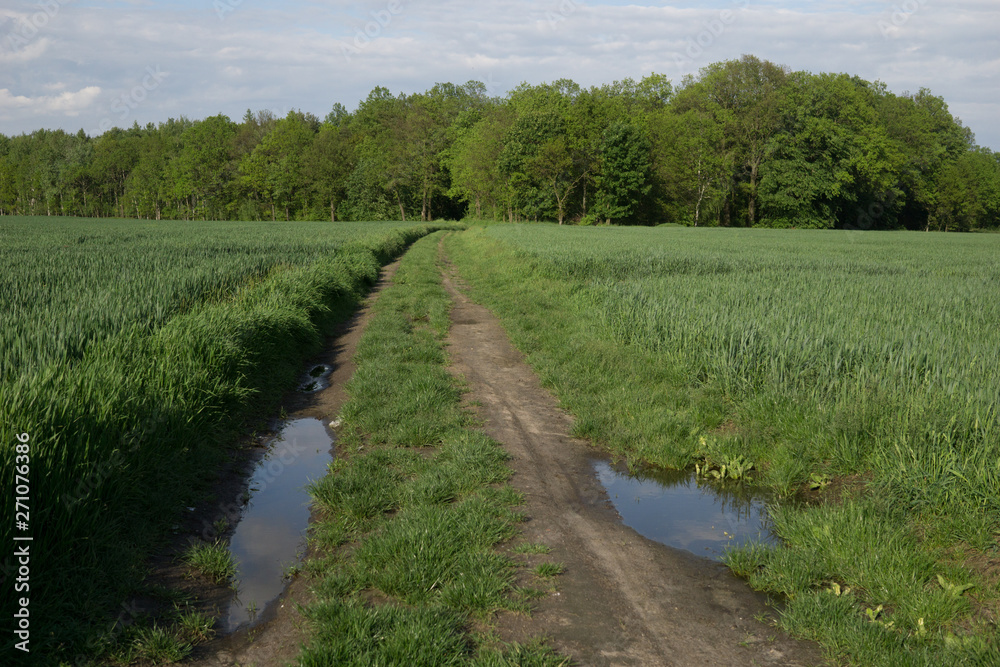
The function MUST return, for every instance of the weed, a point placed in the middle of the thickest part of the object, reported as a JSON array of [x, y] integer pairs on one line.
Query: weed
[[212, 560], [548, 570], [159, 646]]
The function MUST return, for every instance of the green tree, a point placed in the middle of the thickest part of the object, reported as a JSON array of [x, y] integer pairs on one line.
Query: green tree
[[328, 163], [272, 171], [623, 181], [968, 193], [745, 97], [203, 168], [831, 159], [116, 153]]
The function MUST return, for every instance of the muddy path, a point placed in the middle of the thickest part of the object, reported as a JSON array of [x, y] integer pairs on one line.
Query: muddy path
[[622, 599], [280, 631]]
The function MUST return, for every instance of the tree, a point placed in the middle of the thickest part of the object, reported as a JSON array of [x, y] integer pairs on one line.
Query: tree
[[969, 193], [115, 155], [745, 98], [928, 138], [624, 178], [272, 171], [327, 164], [203, 168], [831, 159]]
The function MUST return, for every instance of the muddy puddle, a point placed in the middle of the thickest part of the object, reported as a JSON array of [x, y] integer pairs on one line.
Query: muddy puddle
[[270, 537], [676, 509]]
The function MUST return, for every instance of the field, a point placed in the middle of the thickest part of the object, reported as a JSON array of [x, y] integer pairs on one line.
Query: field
[[132, 354], [858, 373], [856, 376]]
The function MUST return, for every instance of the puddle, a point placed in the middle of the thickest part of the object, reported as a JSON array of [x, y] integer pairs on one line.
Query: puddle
[[271, 533], [316, 379], [673, 509]]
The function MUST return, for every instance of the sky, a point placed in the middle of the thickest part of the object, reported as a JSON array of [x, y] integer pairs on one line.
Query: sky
[[75, 64]]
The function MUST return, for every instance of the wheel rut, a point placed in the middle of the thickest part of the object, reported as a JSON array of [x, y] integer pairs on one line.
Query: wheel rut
[[622, 599]]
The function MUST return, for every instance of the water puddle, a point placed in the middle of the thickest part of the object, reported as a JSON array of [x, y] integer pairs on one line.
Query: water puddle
[[270, 535], [317, 379], [674, 509]]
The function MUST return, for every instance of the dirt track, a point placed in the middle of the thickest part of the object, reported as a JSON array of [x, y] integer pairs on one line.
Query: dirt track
[[623, 600]]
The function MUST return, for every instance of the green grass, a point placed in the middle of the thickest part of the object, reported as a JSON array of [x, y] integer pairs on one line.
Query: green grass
[[548, 570], [212, 560], [868, 361], [416, 504], [134, 353]]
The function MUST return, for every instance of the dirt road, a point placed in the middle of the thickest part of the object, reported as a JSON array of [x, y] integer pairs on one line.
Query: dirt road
[[623, 599]]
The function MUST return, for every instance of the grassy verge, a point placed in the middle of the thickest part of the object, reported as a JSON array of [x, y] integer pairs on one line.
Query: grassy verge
[[414, 506], [126, 435], [896, 559]]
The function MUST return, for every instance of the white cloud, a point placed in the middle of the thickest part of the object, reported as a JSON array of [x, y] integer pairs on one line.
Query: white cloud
[[67, 104]]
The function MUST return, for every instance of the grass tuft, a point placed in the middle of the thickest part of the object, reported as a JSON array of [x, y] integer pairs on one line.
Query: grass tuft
[[212, 560]]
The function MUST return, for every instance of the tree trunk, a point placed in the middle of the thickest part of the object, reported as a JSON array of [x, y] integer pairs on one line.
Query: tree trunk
[[402, 211], [333, 211]]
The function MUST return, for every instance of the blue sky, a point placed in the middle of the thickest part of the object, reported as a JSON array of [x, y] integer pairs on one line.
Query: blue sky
[[75, 64]]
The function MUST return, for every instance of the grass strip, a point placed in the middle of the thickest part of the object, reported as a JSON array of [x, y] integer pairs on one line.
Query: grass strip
[[894, 569], [127, 435], [415, 505]]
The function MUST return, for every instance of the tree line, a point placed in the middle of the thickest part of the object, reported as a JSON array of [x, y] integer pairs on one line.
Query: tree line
[[744, 143]]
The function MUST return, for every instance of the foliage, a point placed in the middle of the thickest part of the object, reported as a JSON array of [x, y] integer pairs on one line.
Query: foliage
[[746, 142]]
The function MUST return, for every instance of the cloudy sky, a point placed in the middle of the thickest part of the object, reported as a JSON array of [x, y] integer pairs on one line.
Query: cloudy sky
[[75, 64]]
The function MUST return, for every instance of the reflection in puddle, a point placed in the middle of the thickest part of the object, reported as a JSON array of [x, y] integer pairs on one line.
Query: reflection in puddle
[[271, 532], [671, 508], [317, 378]]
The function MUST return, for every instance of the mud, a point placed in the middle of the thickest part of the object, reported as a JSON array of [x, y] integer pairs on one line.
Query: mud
[[622, 599]]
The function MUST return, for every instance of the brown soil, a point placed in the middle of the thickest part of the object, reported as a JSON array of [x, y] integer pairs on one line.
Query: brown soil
[[276, 638], [622, 599]]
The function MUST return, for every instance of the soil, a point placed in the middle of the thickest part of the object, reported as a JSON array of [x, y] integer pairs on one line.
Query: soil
[[622, 599], [277, 636]]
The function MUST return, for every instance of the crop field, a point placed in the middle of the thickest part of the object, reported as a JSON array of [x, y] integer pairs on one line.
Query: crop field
[[855, 374], [130, 354]]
